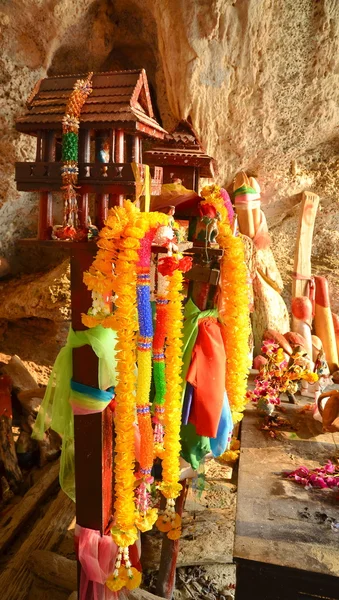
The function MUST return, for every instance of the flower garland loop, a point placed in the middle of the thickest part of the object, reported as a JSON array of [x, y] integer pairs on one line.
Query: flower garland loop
[[119, 269], [172, 267], [233, 304]]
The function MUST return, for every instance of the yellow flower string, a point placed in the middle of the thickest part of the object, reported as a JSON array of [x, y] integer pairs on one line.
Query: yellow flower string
[[114, 270], [233, 306], [169, 521]]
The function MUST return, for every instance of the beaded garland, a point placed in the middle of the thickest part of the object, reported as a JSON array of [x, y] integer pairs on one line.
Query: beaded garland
[[159, 373], [144, 355], [172, 267], [69, 170]]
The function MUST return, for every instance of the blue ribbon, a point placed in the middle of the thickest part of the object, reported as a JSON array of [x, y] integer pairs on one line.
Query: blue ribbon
[[96, 394]]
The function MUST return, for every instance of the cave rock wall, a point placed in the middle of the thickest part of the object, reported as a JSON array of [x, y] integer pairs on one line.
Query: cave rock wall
[[259, 79]]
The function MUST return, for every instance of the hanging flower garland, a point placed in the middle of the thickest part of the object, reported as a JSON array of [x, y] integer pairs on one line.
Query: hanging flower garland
[[233, 304], [69, 171], [147, 515], [120, 267], [172, 267]]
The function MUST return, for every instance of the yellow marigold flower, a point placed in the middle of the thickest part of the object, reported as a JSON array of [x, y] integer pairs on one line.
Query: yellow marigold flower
[[279, 356], [230, 456], [115, 584], [146, 522], [125, 538], [129, 243], [90, 321], [134, 232], [133, 582], [311, 377]]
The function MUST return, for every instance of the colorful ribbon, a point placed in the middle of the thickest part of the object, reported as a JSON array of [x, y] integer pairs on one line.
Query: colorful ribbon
[[86, 400], [56, 410]]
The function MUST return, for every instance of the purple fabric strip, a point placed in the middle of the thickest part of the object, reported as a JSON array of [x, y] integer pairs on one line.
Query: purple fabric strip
[[187, 405]]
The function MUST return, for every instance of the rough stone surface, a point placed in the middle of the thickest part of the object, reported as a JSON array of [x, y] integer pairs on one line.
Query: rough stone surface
[[44, 296], [258, 78], [38, 342]]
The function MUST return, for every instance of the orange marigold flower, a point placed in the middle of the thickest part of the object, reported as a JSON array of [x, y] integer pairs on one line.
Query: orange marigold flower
[[174, 534]]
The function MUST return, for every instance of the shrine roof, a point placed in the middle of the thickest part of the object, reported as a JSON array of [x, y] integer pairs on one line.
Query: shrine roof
[[119, 98], [181, 147]]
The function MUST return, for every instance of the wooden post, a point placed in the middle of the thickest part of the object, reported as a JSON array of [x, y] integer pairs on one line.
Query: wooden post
[[113, 200], [120, 155], [84, 145], [38, 147], [111, 145], [140, 150], [85, 157], [302, 258], [196, 178], [8, 458], [48, 146], [45, 216], [169, 554], [101, 204], [129, 141], [119, 146], [93, 433], [83, 209], [136, 149]]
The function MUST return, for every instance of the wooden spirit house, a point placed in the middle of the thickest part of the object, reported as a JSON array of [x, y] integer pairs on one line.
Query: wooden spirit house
[[115, 119], [182, 157]]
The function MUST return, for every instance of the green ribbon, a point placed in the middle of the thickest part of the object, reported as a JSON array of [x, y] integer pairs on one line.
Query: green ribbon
[[56, 411], [244, 189]]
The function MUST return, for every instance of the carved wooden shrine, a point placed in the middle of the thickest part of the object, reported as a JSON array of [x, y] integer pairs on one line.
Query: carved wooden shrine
[[182, 156], [119, 112], [115, 119]]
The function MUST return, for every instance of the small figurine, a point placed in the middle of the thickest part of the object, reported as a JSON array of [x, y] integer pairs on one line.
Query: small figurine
[[93, 231]]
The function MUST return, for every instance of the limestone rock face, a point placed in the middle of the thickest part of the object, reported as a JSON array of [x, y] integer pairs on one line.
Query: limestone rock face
[[44, 296], [259, 79]]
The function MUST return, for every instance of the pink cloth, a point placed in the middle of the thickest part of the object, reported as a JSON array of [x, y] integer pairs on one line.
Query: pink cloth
[[96, 555]]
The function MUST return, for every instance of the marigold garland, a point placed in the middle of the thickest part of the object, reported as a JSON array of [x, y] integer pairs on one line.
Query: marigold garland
[[170, 486], [233, 305], [147, 515], [115, 270]]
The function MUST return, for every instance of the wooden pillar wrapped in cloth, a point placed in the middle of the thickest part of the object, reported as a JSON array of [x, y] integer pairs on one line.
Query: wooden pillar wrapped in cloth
[[256, 210], [323, 322], [45, 216], [302, 275], [246, 199], [93, 432]]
